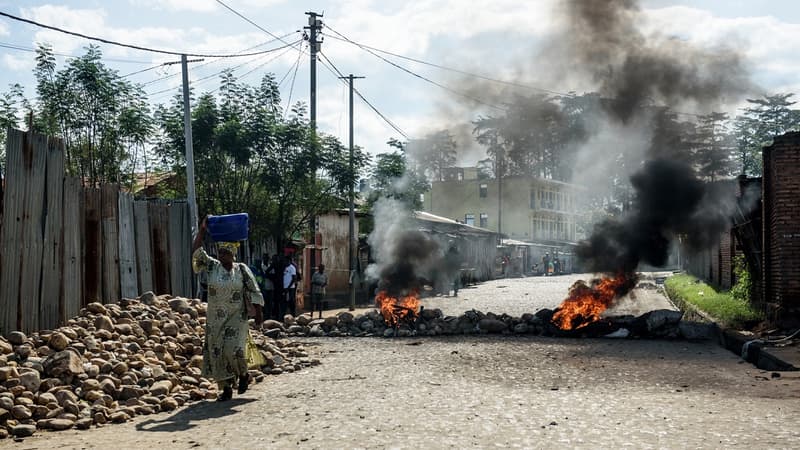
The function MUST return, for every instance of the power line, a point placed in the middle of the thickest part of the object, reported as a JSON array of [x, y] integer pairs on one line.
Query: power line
[[448, 89], [291, 86], [365, 47], [250, 21], [258, 66], [368, 49], [144, 70], [135, 47], [147, 83], [292, 67], [337, 73], [67, 55], [207, 77]]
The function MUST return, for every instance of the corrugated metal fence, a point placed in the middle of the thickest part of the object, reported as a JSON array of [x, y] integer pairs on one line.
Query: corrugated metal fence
[[65, 245]]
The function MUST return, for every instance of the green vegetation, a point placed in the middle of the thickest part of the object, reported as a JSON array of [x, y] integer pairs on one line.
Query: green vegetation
[[723, 306]]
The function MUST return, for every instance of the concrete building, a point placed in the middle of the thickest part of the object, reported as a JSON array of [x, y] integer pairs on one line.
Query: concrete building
[[527, 209]]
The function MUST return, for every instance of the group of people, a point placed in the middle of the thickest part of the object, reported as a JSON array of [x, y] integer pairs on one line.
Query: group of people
[[234, 294], [550, 266], [278, 276]]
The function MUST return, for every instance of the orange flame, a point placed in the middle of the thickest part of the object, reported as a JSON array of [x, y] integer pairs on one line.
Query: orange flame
[[586, 302], [395, 310]]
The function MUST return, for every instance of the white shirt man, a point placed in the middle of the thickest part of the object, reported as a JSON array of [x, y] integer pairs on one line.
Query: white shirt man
[[289, 276]]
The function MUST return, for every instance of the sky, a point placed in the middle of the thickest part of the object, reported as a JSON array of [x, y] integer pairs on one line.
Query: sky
[[500, 39]]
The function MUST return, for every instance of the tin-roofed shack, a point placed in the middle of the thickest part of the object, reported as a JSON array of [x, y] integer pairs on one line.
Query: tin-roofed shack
[[477, 246]]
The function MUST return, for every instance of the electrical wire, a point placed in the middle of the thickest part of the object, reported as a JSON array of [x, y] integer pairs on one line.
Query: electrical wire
[[291, 87], [325, 61], [258, 67], [233, 68], [165, 77], [135, 47], [67, 55], [446, 88], [292, 67], [365, 47], [250, 21]]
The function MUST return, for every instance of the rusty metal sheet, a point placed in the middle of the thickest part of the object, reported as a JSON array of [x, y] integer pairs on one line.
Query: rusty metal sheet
[[128, 279], [144, 269], [51, 307], [73, 299]]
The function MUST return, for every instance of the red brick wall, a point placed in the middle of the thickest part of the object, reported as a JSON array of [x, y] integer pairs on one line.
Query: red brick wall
[[726, 253], [781, 194], [714, 256]]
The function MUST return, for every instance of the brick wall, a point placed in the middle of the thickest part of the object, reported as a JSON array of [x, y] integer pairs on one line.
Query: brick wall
[[727, 251], [781, 194]]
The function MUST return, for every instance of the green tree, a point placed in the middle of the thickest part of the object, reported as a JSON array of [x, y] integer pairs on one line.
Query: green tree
[[392, 176], [103, 119], [713, 146], [248, 158], [767, 117], [435, 152]]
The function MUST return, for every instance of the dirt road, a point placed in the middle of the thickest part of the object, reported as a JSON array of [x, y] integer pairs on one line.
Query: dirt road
[[483, 392]]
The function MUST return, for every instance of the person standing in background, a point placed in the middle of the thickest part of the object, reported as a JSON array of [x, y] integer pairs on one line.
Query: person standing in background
[[290, 288], [318, 282]]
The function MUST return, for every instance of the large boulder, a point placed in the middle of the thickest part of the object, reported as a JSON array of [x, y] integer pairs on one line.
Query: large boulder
[[30, 379], [58, 341], [64, 363]]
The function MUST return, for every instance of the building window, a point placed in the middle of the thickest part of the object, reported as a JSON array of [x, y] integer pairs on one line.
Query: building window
[[483, 190], [533, 199], [469, 219], [484, 220]]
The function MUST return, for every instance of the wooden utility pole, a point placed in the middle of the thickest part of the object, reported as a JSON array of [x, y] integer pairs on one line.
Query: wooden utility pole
[[352, 224]]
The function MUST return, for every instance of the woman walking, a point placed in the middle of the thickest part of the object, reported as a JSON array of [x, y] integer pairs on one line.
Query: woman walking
[[232, 294]]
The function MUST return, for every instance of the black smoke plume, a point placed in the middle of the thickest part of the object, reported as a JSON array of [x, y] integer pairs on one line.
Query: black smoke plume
[[634, 70], [670, 202], [412, 251], [404, 256]]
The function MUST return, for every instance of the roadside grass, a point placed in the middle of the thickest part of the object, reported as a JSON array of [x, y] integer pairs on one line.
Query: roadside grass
[[722, 306]]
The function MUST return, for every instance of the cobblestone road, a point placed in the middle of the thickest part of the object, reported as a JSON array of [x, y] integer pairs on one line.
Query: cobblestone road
[[484, 392]]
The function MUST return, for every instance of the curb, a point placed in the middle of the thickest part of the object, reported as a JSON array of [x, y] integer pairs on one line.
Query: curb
[[746, 346]]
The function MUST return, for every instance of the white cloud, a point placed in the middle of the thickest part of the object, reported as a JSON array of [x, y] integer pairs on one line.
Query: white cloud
[[413, 28], [177, 5], [22, 63], [4, 28], [767, 43]]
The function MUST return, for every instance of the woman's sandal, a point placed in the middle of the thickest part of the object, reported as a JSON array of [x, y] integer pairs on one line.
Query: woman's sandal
[[227, 394], [244, 381]]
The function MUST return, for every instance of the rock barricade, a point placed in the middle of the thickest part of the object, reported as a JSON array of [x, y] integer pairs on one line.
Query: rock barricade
[[432, 322], [116, 361]]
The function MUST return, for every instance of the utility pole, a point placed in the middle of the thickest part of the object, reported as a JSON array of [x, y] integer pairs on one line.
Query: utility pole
[[187, 135], [499, 156], [314, 26], [352, 227]]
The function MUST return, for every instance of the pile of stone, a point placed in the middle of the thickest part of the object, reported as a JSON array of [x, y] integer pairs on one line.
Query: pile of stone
[[114, 361], [432, 322]]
